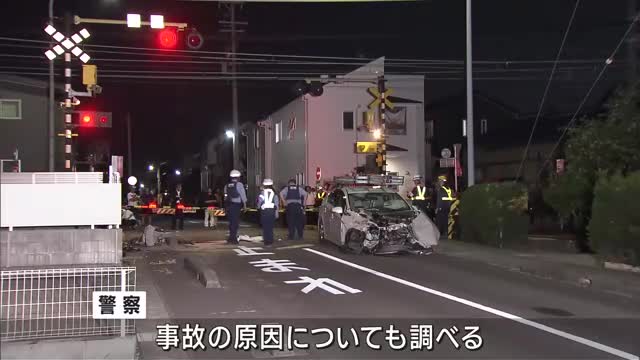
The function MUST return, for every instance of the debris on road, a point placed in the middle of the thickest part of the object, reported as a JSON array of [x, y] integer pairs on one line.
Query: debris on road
[[253, 239], [163, 262]]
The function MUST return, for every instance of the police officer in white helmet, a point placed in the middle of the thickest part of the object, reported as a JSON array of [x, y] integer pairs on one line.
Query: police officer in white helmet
[[235, 201], [268, 204]]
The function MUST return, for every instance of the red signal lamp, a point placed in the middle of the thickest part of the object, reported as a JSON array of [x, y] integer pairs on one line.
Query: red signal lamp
[[168, 38], [86, 119], [103, 120]]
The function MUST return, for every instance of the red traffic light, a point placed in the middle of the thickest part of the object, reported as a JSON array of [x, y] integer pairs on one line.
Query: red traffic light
[[168, 39], [86, 119], [103, 120]]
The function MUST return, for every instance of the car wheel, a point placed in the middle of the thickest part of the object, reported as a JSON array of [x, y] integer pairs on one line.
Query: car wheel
[[354, 241], [321, 232]]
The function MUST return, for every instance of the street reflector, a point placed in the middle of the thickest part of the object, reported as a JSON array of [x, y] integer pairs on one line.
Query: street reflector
[[76, 51], [58, 37], [85, 34], [50, 55], [84, 58], [76, 38], [58, 49], [50, 30], [157, 22], [133, 20], [68, 44]]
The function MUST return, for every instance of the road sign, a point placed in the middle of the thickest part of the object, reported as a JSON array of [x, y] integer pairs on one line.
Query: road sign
[[70, 44], [378, 98], [366, 147], [446, 153], [447, 163], [318, 173]]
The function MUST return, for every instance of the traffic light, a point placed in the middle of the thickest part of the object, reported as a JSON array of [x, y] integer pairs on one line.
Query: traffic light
[[194, 39], [94, 119], [168, 38]]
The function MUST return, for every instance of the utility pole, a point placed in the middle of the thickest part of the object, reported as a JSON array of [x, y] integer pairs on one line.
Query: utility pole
[[383, 133], [68, 102], [471, 177], [129, 158], [52, 100], [234, 84]]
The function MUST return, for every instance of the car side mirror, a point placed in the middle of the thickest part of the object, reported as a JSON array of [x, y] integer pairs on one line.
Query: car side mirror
[[337, 210]]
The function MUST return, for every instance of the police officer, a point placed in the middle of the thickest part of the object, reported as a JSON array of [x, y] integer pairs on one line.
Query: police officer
[[293, 196], [320, 194], [235, 201], [268, 204], [419, 195], [443, 205], [178, 216]]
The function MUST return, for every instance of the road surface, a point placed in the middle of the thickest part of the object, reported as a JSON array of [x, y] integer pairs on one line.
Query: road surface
[[519, 317]]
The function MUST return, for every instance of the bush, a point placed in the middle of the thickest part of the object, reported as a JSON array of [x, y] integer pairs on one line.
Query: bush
[[494, 214], [614, 229]]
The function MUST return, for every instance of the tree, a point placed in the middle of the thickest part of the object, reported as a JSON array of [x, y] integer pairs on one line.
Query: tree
[[598, 146]]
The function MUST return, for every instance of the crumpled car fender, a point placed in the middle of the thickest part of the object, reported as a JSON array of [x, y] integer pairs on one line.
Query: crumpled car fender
[[426, 232], [352, 220]]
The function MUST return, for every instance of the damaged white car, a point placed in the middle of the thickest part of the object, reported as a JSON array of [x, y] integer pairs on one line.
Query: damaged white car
[[375, 220]]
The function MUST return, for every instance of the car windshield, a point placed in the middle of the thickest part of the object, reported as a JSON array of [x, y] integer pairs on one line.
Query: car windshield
[[377, 201]]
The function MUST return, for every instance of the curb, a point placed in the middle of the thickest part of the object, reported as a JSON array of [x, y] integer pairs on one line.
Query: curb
[[207, 277]]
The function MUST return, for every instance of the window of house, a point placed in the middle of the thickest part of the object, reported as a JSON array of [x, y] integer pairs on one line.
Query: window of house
[[10, 109], [348, 120], [483, 126], [278, 131]]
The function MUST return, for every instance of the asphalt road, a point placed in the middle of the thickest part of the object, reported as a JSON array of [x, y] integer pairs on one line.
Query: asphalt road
[[519, 317]]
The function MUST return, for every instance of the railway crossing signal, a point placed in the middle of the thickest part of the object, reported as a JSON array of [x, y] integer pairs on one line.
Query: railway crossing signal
[[67, 44]]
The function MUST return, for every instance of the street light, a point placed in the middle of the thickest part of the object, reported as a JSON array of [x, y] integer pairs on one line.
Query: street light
[[150, 167], [178, 172], [230, 134]]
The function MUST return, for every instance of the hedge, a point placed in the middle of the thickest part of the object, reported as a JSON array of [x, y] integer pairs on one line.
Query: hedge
[[494, 214], [614, 229]]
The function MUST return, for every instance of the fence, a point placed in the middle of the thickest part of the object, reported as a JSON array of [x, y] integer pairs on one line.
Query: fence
[[57, 303]]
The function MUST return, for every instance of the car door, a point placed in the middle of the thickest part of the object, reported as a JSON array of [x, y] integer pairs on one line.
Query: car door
[[325, 215], [335, 222]]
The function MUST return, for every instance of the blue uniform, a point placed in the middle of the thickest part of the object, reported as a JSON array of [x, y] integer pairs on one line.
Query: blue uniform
[[235, 199], [268, 205], [294, 197]]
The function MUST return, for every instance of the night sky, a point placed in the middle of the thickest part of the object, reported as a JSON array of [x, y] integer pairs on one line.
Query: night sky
[[172, 118]]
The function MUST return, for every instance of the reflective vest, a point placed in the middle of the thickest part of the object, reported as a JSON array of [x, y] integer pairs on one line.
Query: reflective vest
[[267, 199], [448, 197], [321, 195], [421, 192]]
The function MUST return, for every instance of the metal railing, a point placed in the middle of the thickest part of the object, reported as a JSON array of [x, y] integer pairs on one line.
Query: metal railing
[[57, 303], [53, 178]]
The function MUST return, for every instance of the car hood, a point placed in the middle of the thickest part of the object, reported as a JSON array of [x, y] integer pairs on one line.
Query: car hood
[[390, 216]]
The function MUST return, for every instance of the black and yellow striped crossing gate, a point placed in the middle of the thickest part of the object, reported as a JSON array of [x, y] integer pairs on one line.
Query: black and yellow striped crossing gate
[[454, 211]]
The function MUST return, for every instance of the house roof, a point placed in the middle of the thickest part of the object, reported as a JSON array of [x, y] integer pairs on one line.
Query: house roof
[[399, 100], [27, 82]]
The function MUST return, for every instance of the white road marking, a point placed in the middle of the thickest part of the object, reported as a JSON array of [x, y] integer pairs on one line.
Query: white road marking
[[566, 335]]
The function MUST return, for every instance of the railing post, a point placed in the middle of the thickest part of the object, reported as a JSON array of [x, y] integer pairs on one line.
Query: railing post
[[123, 288]]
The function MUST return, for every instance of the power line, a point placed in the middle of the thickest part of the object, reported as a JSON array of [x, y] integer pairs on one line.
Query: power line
[[584, 100], [546, 90], [272, 57]]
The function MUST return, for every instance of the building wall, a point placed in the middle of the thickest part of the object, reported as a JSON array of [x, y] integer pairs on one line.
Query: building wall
[[30, 134], [288, 155], [503, 164]]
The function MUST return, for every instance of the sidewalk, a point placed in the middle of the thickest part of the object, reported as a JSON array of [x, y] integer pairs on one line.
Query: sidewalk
[[579, 269]]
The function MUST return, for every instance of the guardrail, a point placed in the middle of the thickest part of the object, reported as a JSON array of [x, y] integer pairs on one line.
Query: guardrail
[[57, 303]]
